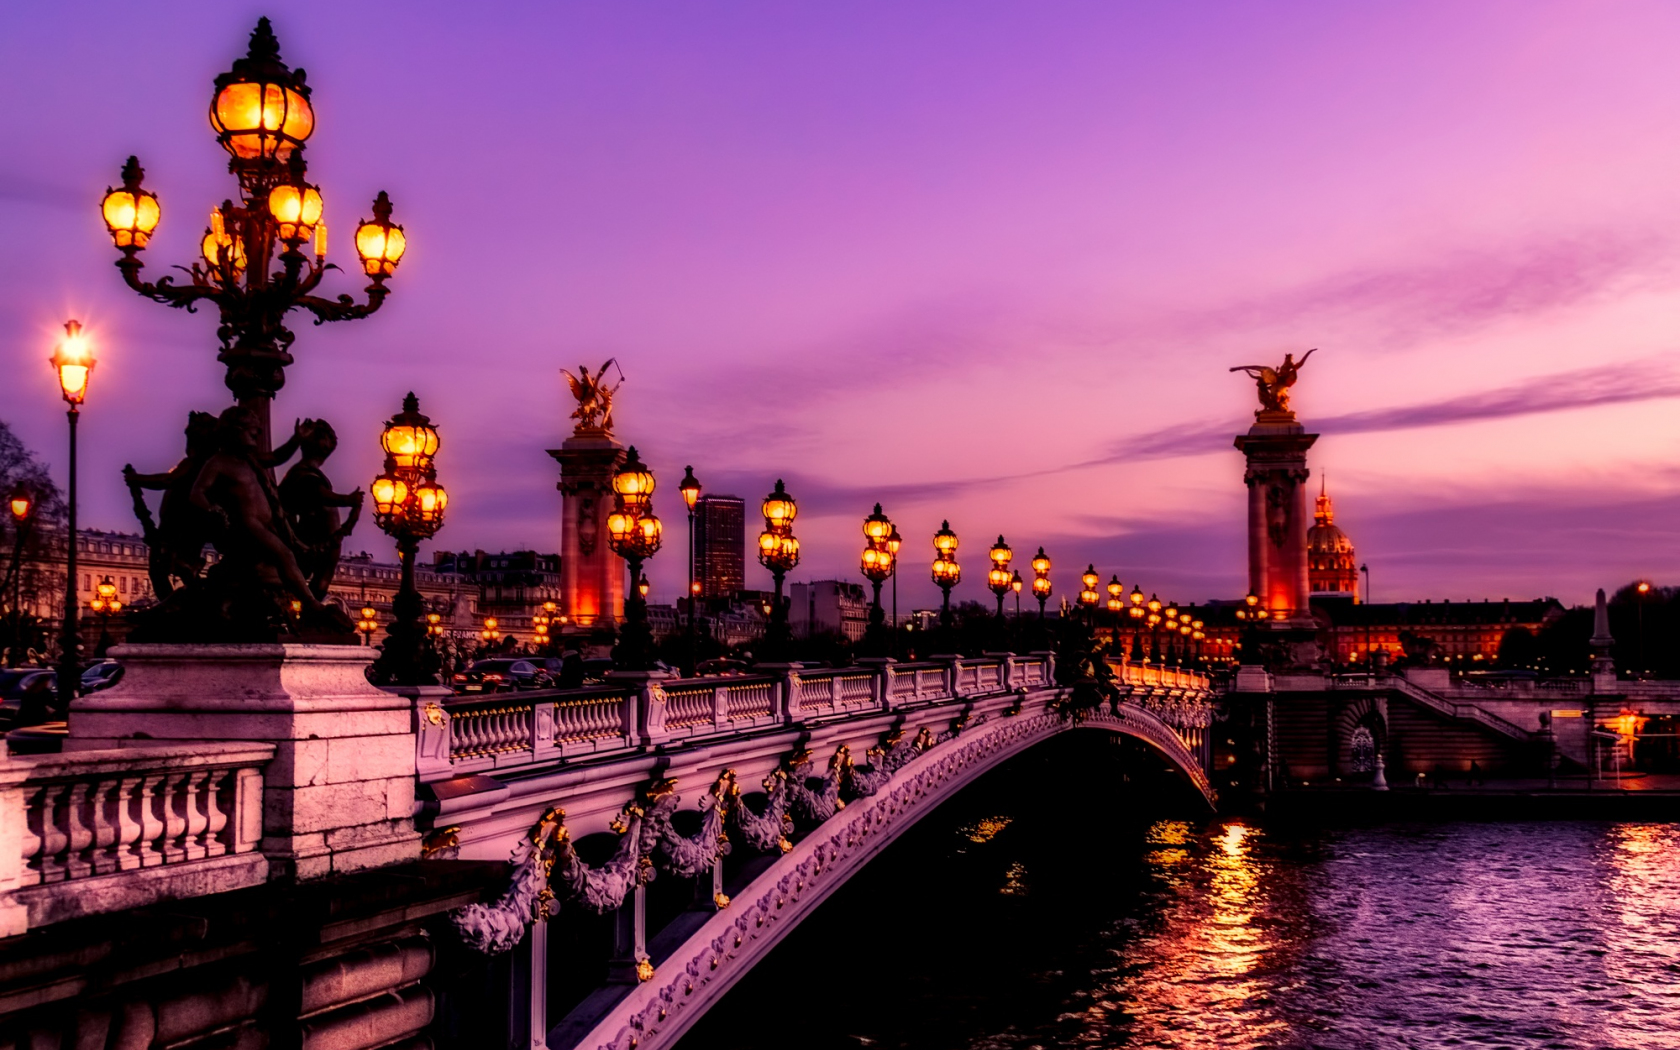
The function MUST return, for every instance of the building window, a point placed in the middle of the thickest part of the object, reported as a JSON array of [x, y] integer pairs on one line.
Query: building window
[[122, 584]]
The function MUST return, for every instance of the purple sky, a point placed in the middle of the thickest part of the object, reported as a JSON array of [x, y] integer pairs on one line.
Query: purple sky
[[980, 261]]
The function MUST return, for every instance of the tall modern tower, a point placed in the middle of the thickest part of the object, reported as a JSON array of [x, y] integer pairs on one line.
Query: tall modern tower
[[720, 545]]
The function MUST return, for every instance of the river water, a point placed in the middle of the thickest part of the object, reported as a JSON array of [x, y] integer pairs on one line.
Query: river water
[[1063, 901]]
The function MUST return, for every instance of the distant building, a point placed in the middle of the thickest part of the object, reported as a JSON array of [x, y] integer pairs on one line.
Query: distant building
[[720, 545], [1332, 568], [828, 606], [508, 585]]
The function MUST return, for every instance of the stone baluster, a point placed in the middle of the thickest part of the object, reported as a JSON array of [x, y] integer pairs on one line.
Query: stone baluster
[[51, 831], [150, 807], [197, 820], [219, 802], [174, 810], [107, 824]]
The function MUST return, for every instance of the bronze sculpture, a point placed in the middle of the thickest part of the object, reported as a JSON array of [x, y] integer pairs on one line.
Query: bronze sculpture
[[223, 493], [594, 397], [1273, 383], [312, 506]]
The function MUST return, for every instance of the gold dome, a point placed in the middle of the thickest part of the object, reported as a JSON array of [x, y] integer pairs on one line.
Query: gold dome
[[1332, 567]]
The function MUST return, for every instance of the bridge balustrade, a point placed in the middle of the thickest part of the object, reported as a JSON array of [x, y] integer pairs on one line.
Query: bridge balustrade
[[519, 730], [102, 831]]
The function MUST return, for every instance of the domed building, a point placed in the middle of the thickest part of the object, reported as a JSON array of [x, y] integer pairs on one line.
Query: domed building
[[1332, 569]]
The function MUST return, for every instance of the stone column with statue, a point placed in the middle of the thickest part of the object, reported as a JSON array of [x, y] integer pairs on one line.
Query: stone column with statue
[[1275, 449], [591, 575]]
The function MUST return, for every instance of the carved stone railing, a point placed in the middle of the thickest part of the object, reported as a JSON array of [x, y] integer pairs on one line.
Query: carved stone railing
[[460, 736], [87, 832]]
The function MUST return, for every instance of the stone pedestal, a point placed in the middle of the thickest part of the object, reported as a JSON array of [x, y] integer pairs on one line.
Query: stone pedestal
[[1276, 451], [339, 793], [591, 575]]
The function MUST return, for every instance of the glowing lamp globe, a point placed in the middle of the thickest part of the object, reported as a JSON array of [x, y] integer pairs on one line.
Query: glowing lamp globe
[[261, 108], [1040, 564], [690, 488], [296, 210], [1115, 588], [1090, 579], [633, 481], [20, 505], [945, 541], [877, 527], [72, 359], [390, 495], [380, 244], [130, 213], [1000, 554], [779, 508], [409, 438], [1015, 582]]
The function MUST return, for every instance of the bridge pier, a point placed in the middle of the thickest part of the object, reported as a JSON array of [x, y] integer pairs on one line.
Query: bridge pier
[[630, 963]]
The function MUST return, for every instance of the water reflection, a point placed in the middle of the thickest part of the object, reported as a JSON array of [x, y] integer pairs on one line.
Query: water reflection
[[1035, 930]]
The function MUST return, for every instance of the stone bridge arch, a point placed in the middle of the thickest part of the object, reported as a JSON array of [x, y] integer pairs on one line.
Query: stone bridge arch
[[697, 974]]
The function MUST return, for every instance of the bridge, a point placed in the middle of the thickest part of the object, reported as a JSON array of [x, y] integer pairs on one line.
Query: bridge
[[814, 770]]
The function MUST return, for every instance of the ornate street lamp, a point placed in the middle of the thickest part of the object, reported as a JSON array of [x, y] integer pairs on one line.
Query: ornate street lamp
[[73, 360], [408, 504], [1116, 592], [1041, 580], [1000, 578], [490, 633], [634, 533], [778, 551], [368, 624], [877, 565], [690, 489], [1088, 595], [104, 600], [1015, 584], [946, 572], [262, 114]]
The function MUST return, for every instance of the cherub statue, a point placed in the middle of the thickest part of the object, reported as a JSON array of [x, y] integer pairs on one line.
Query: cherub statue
[[176, 540], [249, 527], [1274, 383], [312, 507], [594, 397]]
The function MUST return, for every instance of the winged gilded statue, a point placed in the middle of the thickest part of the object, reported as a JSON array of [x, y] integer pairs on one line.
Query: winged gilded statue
[[594, 396], [1274, 383]]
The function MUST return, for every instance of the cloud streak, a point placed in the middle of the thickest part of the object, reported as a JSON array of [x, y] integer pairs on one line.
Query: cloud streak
[[1649, 379]]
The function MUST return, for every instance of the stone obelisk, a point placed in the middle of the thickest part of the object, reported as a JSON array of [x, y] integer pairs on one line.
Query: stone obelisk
[[1276, 475], [591, 575]]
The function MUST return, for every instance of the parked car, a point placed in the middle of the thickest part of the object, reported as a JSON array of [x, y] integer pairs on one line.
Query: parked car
[[17, 684], [503, 674], [101, 675]]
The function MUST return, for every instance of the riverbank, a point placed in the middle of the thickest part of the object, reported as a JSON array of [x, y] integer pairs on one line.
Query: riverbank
[[1645, 797]]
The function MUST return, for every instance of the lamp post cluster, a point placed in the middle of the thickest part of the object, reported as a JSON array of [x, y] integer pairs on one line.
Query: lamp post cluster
[[368, 624], [634, 533], [778, 551], [999, 578], [408, 505], [262, 114], [1041, 586], [878, 563]]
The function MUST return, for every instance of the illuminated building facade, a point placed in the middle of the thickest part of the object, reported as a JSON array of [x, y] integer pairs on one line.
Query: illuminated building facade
[[1332, 567], [720, 545]]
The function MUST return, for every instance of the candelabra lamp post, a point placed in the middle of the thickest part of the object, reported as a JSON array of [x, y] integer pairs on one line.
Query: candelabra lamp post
[[1116, 606], [368, 624], [73, 360], [21, 505], [254, 268], [778, 551], [877, 566], [690, 489], [1088, 596], [1137, 613], [408, 505], [946, 572], [490, 633], [999, 578], [634, 533], [1041, 581]]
